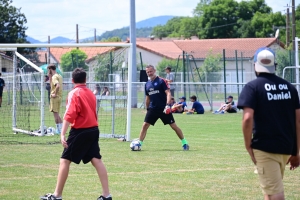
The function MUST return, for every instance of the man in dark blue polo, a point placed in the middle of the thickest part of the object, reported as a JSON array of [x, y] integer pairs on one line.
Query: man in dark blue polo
[[158, 96]]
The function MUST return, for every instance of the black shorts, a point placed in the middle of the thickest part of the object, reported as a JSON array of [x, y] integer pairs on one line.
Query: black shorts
[[153, 115], [231, 110], [82, 145], [1, 91]]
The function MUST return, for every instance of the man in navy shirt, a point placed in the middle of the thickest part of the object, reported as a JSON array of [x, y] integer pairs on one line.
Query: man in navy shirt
[[271, 124], [158, 96], [197, 106], [2, 84], [180, 106]]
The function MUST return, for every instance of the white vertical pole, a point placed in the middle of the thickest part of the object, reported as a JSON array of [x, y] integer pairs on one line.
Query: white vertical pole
[[129, 94], [14, 114], [42, 106], [297, 62]]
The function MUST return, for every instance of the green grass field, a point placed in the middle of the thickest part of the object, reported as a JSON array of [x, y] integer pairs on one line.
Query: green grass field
[[216, 167]]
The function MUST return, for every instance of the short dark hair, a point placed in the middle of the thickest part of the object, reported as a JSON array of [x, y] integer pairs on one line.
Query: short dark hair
[[193, 97], [168, 68], [79, 75], [51, 66]]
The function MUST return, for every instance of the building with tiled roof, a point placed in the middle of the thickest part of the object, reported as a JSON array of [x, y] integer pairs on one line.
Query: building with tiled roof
[[6, 63]]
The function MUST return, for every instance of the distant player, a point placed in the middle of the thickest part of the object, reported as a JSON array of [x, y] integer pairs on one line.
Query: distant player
[[2, 85], [82, 144], [157, 97], [55, 95]]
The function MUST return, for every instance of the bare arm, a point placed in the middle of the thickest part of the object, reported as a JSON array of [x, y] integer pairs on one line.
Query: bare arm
[[57, 86], [168, 93], [64, 129], [147, 101], [295, 160], [247, 126]]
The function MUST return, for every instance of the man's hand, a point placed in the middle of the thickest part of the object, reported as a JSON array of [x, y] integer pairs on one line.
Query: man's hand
[[167, 110], [53, 95], [63, 140], [250, 151], [294, 162]]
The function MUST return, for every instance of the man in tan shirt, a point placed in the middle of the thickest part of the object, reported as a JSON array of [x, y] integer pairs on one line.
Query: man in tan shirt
[[55, 95]]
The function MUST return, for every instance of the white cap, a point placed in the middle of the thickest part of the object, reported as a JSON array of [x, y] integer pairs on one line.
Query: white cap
[[264, 60]]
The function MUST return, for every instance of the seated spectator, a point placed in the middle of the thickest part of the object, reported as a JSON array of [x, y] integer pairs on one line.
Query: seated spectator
[[180, 106], [105, 92], [197, 106], [97, 90], [228, 106]]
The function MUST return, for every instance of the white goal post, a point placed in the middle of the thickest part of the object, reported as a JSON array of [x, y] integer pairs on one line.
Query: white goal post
[[41, 101]]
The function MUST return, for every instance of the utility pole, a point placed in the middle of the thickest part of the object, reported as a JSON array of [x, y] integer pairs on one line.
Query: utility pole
[[293, 24], [95, 39], [287, 26], [48, 52], [77, 37]]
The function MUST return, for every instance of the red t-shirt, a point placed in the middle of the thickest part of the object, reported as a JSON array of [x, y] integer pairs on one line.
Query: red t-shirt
[[81, 108]]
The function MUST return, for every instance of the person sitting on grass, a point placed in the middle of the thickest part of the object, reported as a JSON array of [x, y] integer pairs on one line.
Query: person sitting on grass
[[180, 106], [197, 107], [228, 106]]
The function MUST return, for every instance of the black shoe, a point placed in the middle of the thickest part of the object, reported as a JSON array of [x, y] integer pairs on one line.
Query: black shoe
[[50, 196], [104, 198]]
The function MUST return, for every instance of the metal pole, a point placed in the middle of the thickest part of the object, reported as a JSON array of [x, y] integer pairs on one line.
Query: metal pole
[[293, 24], [297, 62], [133, 55], [14, 114], [287, 26], [183, 67], [48, 52], [224, 65], [237, 72], [242, 66]]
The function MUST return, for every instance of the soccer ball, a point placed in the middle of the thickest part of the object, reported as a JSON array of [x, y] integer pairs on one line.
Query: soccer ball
[[50, 131], [135, 145]]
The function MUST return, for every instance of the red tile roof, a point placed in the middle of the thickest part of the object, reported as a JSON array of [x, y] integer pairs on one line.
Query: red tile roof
[[167, 49], [91, 52], [200, 48]]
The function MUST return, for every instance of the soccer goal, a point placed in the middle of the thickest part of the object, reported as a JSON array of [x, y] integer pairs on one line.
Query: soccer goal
[[26, 92]]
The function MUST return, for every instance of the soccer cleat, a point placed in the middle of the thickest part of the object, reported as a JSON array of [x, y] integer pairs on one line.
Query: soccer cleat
[[50, 196], [104, 198], [185, 147], [216, 112], [222, 112]]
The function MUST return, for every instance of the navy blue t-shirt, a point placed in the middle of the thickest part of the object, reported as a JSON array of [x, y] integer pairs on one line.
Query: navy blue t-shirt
[[156, 90], [198, 107], [274, 101], [2, 83], [183, 104]]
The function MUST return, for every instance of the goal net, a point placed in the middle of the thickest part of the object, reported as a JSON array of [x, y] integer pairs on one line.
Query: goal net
[[25, 116]]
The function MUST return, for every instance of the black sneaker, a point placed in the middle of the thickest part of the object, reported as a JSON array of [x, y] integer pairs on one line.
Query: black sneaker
[[50, 196], [104, 198]]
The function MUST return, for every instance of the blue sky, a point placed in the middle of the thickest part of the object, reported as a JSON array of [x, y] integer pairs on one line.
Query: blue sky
[[59, 17]]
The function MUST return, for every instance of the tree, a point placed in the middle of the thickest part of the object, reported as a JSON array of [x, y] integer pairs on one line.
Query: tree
[[219, 19], [212, 63], [169, 63], [263, 23], [112, 39], [73, 59], [12, 23]]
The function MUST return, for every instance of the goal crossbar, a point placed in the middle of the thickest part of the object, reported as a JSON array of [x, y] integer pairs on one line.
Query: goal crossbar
[[13, 48]]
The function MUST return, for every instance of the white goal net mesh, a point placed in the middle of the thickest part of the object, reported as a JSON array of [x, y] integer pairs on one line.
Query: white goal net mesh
[[25, 97]]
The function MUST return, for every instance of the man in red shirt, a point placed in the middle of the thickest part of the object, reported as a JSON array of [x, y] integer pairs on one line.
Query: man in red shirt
[[82, 143]]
